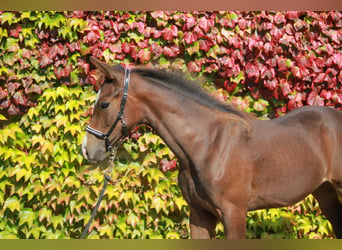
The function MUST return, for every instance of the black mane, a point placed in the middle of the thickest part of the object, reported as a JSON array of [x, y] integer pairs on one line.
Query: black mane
[[176, 81]]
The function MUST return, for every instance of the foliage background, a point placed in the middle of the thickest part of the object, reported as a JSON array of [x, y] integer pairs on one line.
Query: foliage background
[[263, 62]]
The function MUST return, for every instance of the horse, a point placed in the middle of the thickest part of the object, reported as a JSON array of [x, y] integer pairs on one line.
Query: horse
[[230, 162]]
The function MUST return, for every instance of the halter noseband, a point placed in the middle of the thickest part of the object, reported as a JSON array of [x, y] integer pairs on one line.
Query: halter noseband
[[105, 136]]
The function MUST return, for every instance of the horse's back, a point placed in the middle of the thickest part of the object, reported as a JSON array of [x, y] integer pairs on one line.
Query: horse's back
[[294, 154]]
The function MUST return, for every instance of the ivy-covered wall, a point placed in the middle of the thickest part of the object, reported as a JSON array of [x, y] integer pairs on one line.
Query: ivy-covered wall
[[263, 62]]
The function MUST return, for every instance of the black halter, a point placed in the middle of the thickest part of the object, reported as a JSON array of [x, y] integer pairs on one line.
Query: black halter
[[105, 136]]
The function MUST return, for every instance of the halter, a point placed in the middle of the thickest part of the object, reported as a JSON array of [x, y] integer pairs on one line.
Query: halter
[[105, 136]]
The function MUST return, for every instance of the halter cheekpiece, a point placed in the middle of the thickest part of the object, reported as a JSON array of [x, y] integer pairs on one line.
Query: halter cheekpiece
[[120, 117]]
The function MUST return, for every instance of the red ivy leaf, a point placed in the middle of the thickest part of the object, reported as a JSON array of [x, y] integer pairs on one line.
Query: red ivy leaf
[[300, 72], [19, 98], [34, 88], [93, 77], [204, 24], [271, 84], [268, 49], [171, 51], [140, 26], [93, 36], [326, 94], [190, 22], [295, 101], [236, 42], [193, 67], [242, 24], [5, 104], [62, 50], [267, 73], [169, 33], [144, 55], [126, 48], [277, 33], [53, 52], [58, 72], [156, 33], [74, 46], [337, 59], [3, 93], [337, 97], [190, 37], [285, 87], [303, 61], [253, 43], [115, 48], [15, 32], [13, 110], [45, 60], [314, 99], [252, 70], [279, 18], [292, 15], [12, 87], [168, 165], [320, 78]]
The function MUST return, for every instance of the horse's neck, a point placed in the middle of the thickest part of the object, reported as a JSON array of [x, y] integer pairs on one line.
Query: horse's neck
[[184, 124]]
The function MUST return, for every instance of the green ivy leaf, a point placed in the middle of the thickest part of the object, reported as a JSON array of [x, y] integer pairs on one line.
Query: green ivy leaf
[[36, 127], [57, 221], [62, 92], [132, 219], [83, 193], [106, 230], [13, 204], [8, 235], [238, 78], [27, 216], [158, 204], [8, 17]]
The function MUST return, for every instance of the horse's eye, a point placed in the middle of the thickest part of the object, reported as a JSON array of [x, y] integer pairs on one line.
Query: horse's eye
[[104, 105]]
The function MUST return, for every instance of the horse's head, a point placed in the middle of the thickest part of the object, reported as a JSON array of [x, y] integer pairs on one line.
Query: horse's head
[[113, 111]]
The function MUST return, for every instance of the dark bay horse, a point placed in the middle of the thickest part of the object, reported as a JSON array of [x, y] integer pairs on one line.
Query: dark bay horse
[[230, 162]]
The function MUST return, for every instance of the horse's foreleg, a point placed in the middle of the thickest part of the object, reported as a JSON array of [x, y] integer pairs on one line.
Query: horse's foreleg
[[234, 221], [202, 223]]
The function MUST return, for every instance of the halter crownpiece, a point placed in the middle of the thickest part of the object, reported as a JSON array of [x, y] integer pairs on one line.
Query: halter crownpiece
[[120, 117]]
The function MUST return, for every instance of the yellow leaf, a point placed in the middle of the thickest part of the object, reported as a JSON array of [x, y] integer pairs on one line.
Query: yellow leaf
[[60, 120], [52, 132], [57, 221], [27, 216], [12, 203], [36, 128], [8, 235], [105, 230], [49, 94], [33, 112], [47, 146], [158, 204], [62, 91], [37, 139], [180, 202], [132, 219]]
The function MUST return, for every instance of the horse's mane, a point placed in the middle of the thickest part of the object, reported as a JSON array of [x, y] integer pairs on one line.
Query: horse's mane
[[176, 81]]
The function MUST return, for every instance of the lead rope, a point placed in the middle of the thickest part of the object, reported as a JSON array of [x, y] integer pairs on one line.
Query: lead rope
[[107, 178]]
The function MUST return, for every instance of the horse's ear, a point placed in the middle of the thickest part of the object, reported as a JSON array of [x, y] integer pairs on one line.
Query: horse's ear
[[104, 68]]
